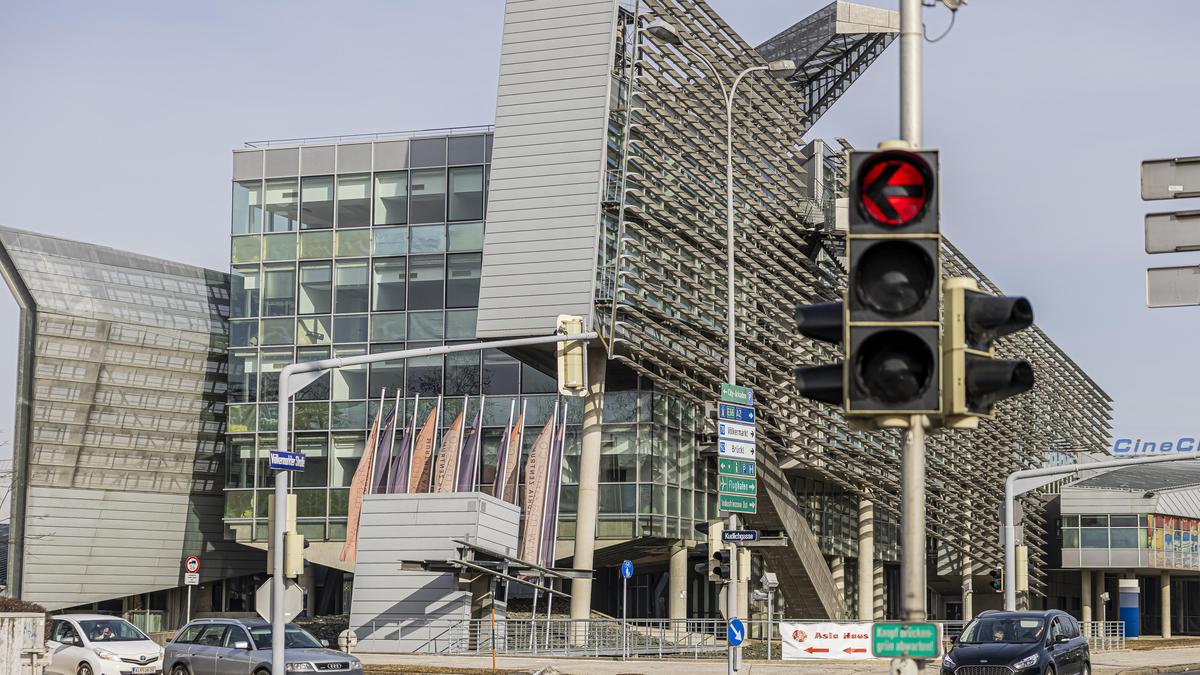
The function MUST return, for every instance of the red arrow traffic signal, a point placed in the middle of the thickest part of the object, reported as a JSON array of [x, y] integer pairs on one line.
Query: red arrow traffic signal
[[895, 189]]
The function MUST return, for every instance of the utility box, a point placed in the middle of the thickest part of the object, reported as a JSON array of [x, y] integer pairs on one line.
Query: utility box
[[22, 643]]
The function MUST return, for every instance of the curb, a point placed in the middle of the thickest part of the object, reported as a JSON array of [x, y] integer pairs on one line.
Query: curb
[[1158, 670]]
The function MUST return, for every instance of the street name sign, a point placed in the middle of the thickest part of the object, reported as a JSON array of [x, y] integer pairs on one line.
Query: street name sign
[[736, 449], [736, 485], [1173, 286], [738, 536], [900, 640], [735, 394], [735, 467], [735, 431], [737, 503], [735, 413], [287, 461]]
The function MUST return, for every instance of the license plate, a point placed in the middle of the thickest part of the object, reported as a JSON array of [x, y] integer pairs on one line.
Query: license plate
[[144, 670]]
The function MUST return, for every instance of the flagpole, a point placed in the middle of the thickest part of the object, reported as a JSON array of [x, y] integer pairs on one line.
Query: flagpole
[[546, 496], [413, 444], [437, 421], [374, 459], [478, 486], [520, 444], [462, 436], [502, 462]]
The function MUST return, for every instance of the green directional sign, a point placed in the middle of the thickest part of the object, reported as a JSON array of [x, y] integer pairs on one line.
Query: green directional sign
[[736, 485], [737, 503], [735, 467], [898, 640], [735, 394]]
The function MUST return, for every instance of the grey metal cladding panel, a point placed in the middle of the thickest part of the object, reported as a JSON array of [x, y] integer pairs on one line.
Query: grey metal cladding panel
[[551, 110]]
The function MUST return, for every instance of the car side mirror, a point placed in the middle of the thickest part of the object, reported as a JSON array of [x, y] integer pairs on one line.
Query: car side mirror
[[242, 644], [1061, 639]]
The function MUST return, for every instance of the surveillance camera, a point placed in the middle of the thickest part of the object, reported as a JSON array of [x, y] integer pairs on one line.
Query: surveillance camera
[[953, 5]]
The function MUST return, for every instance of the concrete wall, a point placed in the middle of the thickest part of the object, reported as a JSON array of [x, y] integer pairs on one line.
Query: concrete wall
[[547, 165], [395, 611]]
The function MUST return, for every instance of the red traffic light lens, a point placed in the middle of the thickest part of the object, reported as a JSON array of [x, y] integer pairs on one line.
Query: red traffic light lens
[[895, 189]]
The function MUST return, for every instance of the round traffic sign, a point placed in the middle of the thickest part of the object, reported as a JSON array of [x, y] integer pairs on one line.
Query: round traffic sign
[[735, 632], [626, 569], [895, 188], [191, 564]]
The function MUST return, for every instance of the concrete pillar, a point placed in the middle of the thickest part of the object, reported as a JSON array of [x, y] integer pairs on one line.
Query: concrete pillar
[[866, 559], [880, 595], [968, 586], [1164, 591], [1085, 595], [589, 478], [310, 589], [838, 567], [677, 582], [1098, 583]]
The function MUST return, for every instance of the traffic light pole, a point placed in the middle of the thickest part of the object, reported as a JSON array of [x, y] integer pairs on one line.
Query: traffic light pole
[[911, 34]]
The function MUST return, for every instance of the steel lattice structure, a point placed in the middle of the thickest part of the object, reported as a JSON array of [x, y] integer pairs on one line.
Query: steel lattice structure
[[661, 294]]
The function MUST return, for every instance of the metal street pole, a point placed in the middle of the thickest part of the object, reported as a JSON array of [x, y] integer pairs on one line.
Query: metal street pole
[[1020, 482], [624, 606], [308, 372], [912, 512]]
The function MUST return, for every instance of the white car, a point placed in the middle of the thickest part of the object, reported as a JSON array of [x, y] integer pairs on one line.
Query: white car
[[95, 644]]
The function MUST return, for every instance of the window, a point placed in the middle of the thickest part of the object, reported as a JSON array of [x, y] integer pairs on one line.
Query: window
[[272, 361], [279, 284], [247, 207], [316, 288], [1124, 537], [387, 327], [315, 448], [64, 632], [1096, 537], [243, 376], [462, 374], [387, 375], [243, 333], [246, 249], [427, 280], [281, 205], [425, 326], [501, 373], [353, 201], [424, 376], [212, 635], [279, 247], [347, 450], [353, 243], [462, 279], [390, 240], [236, 634], [466, 236], [389, 284], [391, 198], [244, 292], [466, 150], [350, 328], [239, 464], [460, 324], [466, 193], [428, 201], [313, 330], [316, 244], [316, 203], [351, 289], [428, 239], [349, 383], [188, 635]]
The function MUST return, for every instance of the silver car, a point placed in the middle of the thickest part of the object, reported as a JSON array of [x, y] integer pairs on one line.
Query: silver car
[[243, 647]]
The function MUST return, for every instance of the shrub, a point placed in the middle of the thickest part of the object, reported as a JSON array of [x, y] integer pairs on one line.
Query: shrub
[[14, 605]]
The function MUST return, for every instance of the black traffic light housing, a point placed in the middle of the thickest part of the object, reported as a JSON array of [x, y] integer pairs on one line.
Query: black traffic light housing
[[975, 378], [893, 298], [997, 582], [720, 565], [822, 322]]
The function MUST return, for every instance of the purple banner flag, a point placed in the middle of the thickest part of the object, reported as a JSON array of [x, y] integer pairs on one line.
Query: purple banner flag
[[468, 460]]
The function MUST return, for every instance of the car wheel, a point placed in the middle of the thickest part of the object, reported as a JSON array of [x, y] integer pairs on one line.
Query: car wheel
[[85, 668], [179, 669], [1087, 669], [262, 671]]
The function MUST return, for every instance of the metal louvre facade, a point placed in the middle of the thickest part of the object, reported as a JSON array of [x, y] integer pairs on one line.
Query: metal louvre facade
[[660, 301]]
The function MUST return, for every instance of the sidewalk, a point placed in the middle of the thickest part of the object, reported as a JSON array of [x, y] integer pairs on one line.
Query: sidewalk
[[1109, 663]]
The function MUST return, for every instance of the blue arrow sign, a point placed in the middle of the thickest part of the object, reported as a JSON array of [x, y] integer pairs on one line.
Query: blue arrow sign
[[735, 632], [735, 413], [626, 569], [287, 461]]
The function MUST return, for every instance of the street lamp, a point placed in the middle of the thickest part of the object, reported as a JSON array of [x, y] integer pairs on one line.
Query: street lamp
[[667, 33]]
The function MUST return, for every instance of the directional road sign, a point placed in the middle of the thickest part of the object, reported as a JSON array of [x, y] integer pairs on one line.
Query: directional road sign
[[1173, 232], [899, 640], [735, 632], [737, 485], [738, 536], [1171, 178], [735, 449], [626, 569], [735, 394], [735, 413], [737, 503], [735, 467], [736, 432], [287, 461]]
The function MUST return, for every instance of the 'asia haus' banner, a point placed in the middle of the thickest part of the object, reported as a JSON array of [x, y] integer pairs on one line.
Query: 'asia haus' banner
[[844, 641]]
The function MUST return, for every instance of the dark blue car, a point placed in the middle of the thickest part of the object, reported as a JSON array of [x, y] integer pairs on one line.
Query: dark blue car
[[1020, 643]]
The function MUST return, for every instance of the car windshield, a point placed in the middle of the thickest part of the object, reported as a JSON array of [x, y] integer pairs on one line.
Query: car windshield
[[294, 637], [111, 630], [1003, 629]]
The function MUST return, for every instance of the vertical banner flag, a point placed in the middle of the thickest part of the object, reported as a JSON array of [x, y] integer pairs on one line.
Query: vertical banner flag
[[536, 470], [387, 444], [422, 453], [447, 461], [516, 441], [358, 487], [468, 459], [502, 454], [546, 555], [398, 483]]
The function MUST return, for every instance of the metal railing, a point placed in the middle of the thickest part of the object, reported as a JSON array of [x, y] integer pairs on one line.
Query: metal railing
[[635, 638]]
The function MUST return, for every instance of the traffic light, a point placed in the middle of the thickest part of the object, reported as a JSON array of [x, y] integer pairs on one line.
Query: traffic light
[[823, 322], [719, 566], [715, 548], [975, 378], [893, 313], [571, 357], [997, 582]]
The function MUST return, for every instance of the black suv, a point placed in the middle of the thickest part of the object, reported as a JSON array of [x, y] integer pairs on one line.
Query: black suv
[[1019, 643]]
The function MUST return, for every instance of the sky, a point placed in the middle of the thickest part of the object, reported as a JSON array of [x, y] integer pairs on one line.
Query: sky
[[117, 121]]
